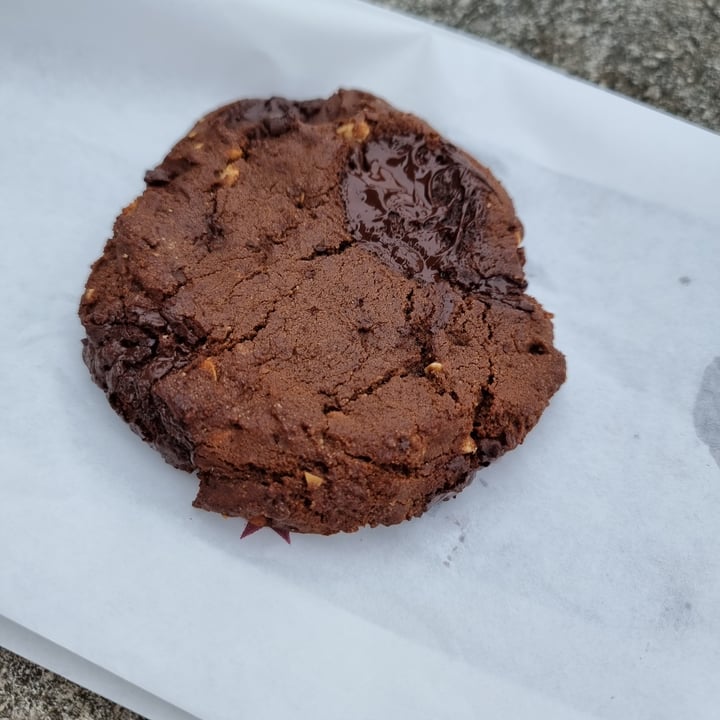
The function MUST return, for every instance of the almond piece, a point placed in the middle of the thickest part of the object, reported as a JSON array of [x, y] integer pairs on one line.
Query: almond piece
[[229, 176], [209, 367], [313, 481]]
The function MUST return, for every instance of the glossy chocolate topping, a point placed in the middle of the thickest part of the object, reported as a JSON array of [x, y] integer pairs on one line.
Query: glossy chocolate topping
[[419, 208]]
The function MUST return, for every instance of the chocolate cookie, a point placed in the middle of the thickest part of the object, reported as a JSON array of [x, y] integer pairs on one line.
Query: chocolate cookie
[[319, 306]]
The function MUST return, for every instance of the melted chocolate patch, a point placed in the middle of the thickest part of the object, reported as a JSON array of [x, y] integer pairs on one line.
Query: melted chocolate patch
[[420, 209]]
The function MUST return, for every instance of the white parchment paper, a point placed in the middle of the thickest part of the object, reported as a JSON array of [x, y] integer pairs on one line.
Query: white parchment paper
[[579, 577]]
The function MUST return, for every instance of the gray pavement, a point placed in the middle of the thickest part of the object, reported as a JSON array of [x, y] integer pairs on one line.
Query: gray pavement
[[662, 52]]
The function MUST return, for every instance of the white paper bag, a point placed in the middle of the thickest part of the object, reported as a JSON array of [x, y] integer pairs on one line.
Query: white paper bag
[[579, 576]]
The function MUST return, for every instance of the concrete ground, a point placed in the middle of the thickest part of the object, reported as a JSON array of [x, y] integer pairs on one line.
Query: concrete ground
[[662, 52]]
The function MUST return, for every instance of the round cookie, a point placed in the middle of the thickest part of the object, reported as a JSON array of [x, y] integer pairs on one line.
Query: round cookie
[[319, 307]]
